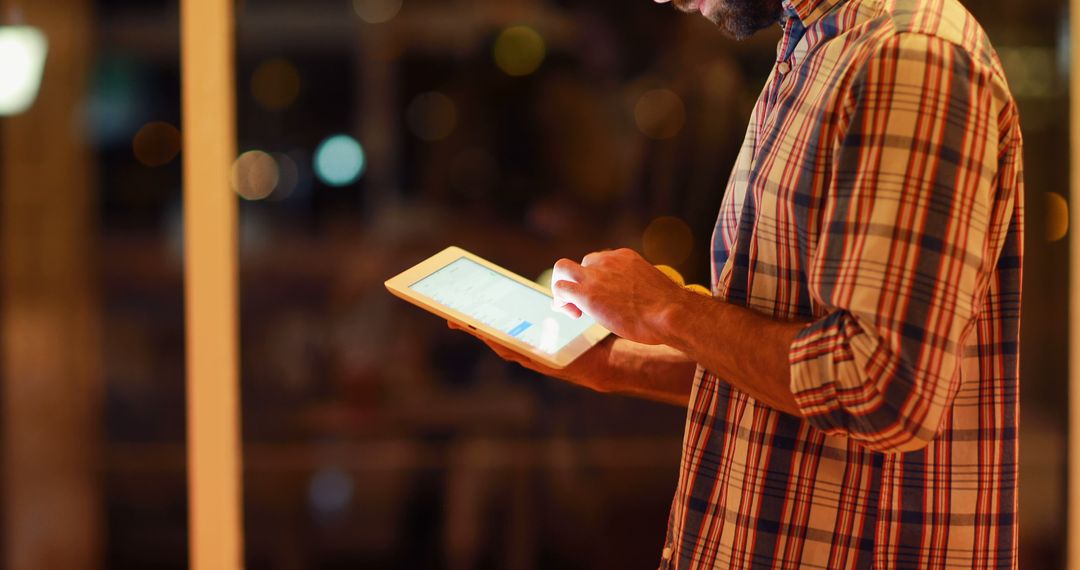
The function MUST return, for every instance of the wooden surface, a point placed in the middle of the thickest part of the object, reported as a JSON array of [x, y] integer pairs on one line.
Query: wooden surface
[[1073, 507], [50, 312], [210, 250]]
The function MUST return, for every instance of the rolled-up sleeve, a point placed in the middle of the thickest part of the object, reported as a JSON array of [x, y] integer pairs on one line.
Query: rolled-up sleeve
[[903, 256]]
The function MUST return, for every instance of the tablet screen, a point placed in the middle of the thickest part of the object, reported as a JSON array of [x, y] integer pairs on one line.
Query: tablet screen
[[503, 304]]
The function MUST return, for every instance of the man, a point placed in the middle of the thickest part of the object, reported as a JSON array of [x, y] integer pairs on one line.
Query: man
[[853, 383]]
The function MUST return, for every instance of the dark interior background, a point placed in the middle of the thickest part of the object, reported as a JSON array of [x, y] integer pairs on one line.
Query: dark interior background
[[373, 436]]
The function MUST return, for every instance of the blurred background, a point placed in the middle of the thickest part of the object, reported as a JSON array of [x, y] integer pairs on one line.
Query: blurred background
[[371, 134]]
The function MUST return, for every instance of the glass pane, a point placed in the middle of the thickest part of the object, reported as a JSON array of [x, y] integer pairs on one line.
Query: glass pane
[[374, 436]]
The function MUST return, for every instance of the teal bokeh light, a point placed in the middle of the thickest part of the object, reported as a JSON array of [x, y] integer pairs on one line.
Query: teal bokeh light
[[339, 160]]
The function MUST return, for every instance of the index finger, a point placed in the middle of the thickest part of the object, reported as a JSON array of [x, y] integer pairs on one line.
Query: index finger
[[570, 271], [567, 270]]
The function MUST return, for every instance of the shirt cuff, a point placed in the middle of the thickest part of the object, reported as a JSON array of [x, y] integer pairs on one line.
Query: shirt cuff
[[823, 367]]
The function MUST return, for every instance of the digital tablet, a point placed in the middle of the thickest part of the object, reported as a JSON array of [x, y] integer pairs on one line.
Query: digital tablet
[[498, 304]]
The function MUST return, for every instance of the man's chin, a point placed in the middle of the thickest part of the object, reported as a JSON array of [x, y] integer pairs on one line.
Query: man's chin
[[741, 24], [737, 33]]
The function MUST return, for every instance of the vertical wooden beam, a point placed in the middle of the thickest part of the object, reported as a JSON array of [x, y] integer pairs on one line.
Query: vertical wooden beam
[[210, 251], [50, 312], [1073, 520]]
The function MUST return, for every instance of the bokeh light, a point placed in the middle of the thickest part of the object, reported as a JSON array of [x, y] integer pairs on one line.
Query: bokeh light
[[668, 241], [672, 273], [330, 491], [339, 160], [660, 114], [699, 289], [22, 61], [721, 78], [519, 51], [156, 144], [275, 84], [288, 176], [431, 116], [1032, 71], [377, 11], [1057, 216], [254, 175], [544, 279], [118, 101]]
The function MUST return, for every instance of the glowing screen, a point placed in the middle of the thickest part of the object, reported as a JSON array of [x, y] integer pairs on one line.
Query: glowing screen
[[502, 304]]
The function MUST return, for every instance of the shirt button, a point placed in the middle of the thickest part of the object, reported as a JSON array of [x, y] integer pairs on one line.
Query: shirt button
[[783, 67], [667, 553]]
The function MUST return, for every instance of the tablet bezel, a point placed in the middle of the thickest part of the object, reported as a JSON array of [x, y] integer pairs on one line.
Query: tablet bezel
[[400, 285]]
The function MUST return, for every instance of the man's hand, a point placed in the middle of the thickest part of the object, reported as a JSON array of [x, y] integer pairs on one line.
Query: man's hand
[[632, 299], [636, 301], [622, 291], [590, 370]]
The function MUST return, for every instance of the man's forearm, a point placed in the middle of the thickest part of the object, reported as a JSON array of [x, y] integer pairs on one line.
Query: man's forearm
[[658, 373], [744, 348], [629, 296]]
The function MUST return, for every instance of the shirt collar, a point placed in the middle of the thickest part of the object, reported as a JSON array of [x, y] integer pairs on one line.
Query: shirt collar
[[810, 11]]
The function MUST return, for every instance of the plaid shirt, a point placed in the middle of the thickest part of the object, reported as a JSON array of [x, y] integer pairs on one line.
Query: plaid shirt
[[878, 196]]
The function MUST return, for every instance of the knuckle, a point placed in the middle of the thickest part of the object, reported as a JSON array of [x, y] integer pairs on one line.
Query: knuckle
[[594, 258]]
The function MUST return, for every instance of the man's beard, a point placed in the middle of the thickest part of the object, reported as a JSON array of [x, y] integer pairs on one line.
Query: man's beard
[[740, 19]]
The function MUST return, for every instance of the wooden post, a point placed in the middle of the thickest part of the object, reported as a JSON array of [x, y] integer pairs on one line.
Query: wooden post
[[1073, 504], [50, 312], [210, 252]]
